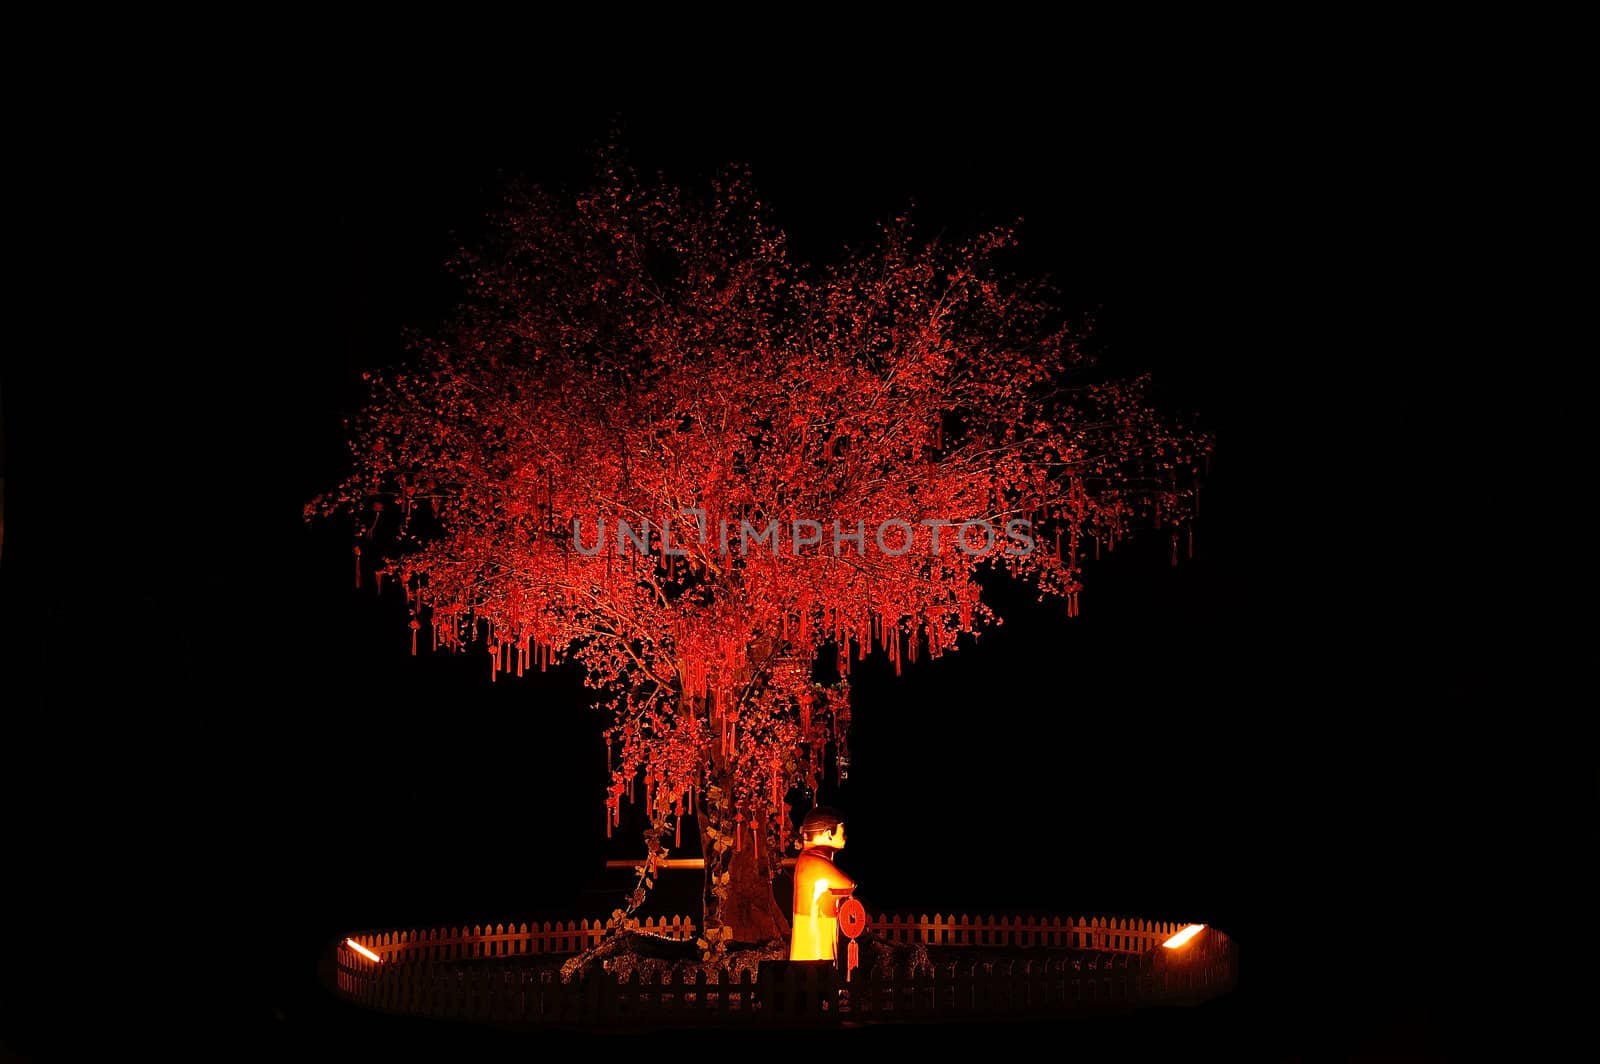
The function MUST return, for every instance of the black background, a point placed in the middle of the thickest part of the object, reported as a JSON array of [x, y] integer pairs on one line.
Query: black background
[[235, 739]]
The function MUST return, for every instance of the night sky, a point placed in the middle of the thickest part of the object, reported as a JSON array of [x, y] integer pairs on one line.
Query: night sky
[[1226, 742]]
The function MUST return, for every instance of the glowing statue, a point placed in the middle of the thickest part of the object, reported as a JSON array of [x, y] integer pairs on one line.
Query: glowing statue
[[819, 888]]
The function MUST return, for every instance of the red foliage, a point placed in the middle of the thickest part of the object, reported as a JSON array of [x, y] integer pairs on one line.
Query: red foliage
[[635, 353]]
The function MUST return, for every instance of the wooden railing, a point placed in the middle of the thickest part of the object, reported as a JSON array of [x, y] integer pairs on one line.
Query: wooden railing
[[1115, 934], [503, 940], [1100, 963]]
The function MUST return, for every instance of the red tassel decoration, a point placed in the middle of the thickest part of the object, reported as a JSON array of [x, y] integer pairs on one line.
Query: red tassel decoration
[[358, 566], [414, 627]]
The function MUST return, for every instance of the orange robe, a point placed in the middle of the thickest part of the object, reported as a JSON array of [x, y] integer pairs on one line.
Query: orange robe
[[819, 889]]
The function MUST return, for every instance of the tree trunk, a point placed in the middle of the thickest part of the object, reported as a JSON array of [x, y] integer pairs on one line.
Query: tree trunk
[[744, 906], [740, 907]]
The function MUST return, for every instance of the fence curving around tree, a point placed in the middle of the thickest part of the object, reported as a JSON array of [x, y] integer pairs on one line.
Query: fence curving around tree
[[1069, 965]]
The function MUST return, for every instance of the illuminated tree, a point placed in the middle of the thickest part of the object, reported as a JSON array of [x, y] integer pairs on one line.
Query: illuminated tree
[[650, 443]]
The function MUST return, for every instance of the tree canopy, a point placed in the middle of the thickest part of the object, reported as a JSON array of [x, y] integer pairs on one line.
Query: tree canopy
[[651, 443]]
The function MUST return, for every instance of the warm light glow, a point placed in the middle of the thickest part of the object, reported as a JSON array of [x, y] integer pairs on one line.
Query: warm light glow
[[364, 951], [819, 889], [1183, 936]]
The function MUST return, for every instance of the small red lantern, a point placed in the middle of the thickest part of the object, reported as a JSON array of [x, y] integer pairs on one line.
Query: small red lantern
[[852, 921]]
